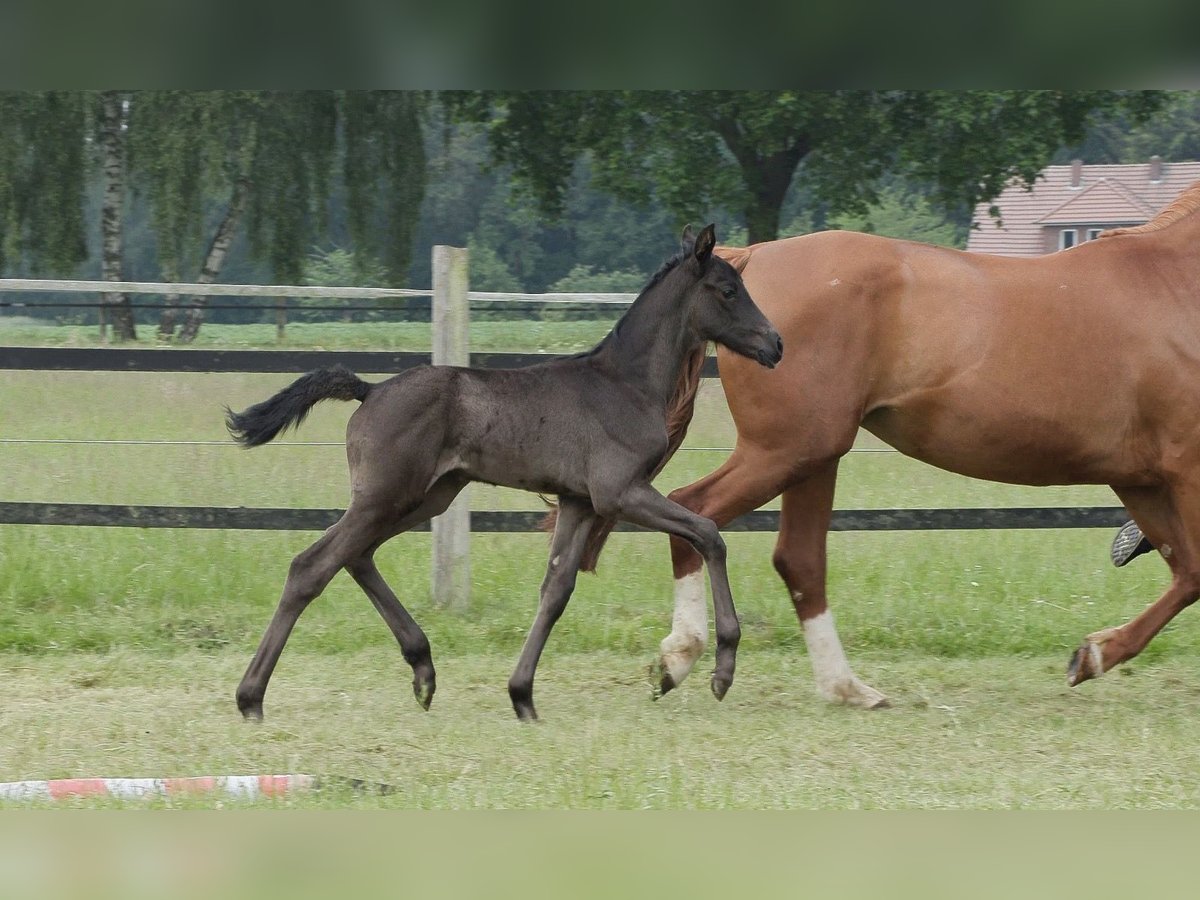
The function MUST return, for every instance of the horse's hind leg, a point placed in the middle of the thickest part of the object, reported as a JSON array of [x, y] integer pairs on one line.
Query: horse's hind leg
[[1171, 521], [308, 575], [575, 520], [414, 645], [800, 561]]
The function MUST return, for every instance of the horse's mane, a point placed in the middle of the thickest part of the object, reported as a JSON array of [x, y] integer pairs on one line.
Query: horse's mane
[[1185, 204]]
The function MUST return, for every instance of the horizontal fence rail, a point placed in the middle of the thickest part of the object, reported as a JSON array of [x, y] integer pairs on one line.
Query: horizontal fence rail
[[99, 359], [269, 519]]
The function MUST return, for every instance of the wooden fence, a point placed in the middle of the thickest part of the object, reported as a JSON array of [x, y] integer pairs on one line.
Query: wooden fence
[[451, 573]]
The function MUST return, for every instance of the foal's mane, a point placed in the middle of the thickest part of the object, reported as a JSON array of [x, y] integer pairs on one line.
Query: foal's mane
[[1184, 205]]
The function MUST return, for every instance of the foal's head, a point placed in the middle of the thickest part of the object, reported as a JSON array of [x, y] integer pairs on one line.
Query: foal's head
[[718, 306]]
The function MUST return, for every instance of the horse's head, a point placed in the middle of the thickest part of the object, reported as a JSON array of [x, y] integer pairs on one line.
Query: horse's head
[[720, 308]]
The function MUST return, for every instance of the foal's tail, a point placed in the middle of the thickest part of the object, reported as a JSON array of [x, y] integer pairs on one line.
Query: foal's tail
[[679, 416], [287, 409]]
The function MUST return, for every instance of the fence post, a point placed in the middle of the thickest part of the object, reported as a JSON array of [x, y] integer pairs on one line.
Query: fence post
[[452, 529]]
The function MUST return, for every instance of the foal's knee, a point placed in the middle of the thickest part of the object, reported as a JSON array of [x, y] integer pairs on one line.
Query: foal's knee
[[709, 541]]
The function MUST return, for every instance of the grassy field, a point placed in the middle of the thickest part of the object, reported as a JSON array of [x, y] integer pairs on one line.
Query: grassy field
[[121, 648]]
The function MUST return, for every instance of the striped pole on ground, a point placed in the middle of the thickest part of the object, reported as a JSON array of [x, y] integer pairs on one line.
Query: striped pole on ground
[[242, 787]]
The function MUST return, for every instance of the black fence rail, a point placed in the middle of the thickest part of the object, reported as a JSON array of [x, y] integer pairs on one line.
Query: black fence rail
[[268, 519], [96, 359]]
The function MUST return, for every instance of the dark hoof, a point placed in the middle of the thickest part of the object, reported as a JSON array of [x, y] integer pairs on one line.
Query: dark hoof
[[720, 687], [423, 691], [661, 682], [252, 710], [526, 713], [521, 696], [1129, 544]]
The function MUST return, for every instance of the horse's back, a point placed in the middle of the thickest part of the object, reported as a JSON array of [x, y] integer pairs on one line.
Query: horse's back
[[1029, 370]]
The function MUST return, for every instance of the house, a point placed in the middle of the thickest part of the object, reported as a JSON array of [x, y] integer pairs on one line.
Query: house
[[1072, 204]]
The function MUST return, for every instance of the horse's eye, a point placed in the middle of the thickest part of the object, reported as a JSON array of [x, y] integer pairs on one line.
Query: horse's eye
[[729, 293]]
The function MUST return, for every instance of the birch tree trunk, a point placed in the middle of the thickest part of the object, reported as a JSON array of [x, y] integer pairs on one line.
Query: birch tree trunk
[[112, 140], [170, 316], [193, 315]]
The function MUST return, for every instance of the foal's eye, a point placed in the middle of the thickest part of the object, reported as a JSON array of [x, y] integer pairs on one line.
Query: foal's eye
[[729, 293]]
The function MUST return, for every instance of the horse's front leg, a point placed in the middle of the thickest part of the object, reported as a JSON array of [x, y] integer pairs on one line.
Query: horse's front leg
[[643, 505], [575, 520]]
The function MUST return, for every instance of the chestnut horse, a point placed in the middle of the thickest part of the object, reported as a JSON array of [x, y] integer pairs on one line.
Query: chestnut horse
[[1079, 367]]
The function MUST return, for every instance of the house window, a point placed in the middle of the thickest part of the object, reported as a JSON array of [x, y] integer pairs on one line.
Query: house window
[[1093, 233], [1066, 238]]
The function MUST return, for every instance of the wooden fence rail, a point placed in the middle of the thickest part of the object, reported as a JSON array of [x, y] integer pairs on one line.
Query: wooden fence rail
[[284, 519]]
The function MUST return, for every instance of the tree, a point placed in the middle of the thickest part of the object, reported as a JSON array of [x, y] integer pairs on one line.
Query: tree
[[112, 124], [744, 150], [43, 174], [269, 157]]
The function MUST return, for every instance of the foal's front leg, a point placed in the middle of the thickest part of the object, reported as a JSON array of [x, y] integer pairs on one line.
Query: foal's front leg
[[575, 520], [643, 505]]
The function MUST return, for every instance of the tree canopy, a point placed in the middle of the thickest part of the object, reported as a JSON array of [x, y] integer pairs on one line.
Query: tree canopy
[[743, 150]]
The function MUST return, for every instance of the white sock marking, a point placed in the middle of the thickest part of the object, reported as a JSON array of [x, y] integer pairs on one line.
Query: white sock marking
[[689, 626]]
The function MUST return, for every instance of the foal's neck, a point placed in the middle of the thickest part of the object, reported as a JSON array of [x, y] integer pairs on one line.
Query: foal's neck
[[651, 343]]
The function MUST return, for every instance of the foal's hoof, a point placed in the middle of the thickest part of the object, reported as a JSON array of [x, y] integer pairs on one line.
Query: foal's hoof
[[720, 686], [526, 712], [423, 690], [252, 710]]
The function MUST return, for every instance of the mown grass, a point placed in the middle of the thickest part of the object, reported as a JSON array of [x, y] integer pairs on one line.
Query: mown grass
[[122, 647]]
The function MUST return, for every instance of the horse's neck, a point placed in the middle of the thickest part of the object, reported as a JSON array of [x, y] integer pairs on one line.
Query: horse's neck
[[651, 345]]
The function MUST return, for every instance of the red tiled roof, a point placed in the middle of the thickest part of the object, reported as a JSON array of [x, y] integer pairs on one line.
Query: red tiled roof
[[1107, 195], [1101, 203]]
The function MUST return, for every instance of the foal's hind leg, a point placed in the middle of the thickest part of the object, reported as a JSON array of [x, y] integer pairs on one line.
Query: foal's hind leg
[[1171, 520], [308, 575], [414, 645], [575, 520]]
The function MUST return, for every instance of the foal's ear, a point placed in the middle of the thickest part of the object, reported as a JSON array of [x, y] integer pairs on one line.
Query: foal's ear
[[688, 239], [703, 247]]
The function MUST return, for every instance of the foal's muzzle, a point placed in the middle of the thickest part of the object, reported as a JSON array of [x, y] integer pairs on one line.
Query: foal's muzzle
[[772, 352]]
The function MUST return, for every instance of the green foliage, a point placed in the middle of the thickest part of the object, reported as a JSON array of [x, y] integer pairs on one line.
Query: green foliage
[[901, 214], [486, 271], [43, 172], [384, 170], [583, 278], [339, 268]]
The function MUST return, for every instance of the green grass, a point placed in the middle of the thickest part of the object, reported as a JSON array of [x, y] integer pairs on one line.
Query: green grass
[[990, 732], [121, 647], [495, 336]]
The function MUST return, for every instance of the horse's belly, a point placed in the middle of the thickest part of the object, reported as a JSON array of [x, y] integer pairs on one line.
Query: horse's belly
[[1015, 451]]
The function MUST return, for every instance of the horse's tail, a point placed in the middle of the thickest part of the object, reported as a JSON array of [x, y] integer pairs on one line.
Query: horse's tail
[[679, 416], [287, 409]]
